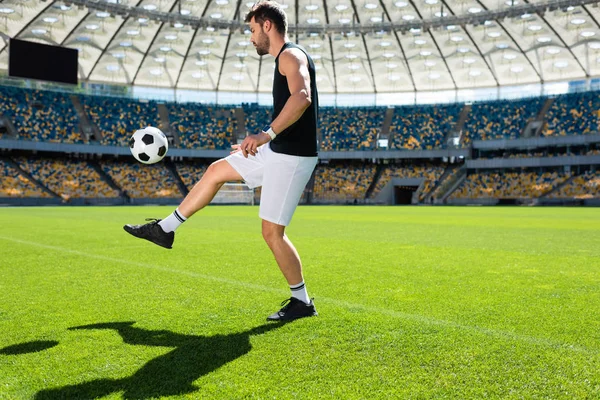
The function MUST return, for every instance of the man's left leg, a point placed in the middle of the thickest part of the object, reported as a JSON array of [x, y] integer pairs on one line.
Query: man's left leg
[[283, 183], [289, 263]]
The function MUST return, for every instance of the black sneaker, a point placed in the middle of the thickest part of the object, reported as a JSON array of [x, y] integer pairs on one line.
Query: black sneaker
[[293, 309], [153, 232]]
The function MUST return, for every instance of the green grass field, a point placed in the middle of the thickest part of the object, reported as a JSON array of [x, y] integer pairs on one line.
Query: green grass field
[[453, 303]]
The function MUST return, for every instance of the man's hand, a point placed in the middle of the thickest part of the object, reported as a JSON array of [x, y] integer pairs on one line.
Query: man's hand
[[251, 143]]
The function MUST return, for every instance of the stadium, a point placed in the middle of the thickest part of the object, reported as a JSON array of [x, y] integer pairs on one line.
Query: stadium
[[481, 118]]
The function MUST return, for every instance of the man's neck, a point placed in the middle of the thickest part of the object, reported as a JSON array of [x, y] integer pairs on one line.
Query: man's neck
[[277, 44]]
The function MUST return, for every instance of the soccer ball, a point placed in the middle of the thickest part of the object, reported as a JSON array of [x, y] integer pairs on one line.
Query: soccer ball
[[148, 145]]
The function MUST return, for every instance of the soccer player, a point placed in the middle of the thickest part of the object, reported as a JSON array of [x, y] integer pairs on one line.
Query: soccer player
[[281, 158]]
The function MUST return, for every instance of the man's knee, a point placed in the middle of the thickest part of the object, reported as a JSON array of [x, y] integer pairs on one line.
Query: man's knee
[[272, 232], [212, 172], [220, 172]]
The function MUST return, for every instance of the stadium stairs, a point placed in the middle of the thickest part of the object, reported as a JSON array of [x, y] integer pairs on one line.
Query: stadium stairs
[[88, 131], [240, 116], [165, 125], [451, 184], [542, 114], [106, 178], [534, 127], [385, 127], [310, 188], [456, 131], [319, 137], [173, 171], [450, 169], [29, 177], [417, 194], [6, 126], [378, 172], [557, 187]]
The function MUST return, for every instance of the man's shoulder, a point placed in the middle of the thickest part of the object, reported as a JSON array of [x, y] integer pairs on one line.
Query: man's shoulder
[[292, 50], [293, 54]]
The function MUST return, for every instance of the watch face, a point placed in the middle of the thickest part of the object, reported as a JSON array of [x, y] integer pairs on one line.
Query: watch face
[[266, 128]]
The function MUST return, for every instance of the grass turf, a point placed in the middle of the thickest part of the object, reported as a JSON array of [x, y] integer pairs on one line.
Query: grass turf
[[414, 303]]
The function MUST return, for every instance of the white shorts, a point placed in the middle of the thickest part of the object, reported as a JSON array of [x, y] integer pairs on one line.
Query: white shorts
[[282, 177]]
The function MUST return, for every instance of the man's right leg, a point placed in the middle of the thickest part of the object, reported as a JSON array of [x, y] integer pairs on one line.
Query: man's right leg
[[162, 232], [217, 174]]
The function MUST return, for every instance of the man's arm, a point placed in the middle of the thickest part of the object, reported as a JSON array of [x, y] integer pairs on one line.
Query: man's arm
[[294, 66]]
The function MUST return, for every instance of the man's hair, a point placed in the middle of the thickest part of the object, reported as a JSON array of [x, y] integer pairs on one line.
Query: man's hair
[[269, 10]]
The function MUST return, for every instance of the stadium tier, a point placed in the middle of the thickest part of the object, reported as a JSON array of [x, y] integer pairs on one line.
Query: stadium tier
[[48, 116], [574, 114], [201, 126], [14, 184], [585, 186], [71, 179], [142, 181], [256, 117], [52, 116], [423, 127], [191, 173], [500, 119], [342, 182], [509, 185], [349, 128], [40, 115], [118, 118]]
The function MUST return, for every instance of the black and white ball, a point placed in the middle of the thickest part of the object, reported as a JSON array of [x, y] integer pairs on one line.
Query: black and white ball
[[149, 145]]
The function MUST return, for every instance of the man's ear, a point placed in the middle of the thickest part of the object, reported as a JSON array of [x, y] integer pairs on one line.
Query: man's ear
[[267, 25]]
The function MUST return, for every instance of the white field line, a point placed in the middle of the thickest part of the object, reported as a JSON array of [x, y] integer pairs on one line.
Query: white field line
[[340, 303]]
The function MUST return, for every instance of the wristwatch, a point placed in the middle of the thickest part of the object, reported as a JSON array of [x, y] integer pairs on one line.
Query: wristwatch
[[269, 131]]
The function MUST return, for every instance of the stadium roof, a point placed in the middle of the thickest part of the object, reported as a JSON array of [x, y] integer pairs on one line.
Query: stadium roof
[[359, 46]]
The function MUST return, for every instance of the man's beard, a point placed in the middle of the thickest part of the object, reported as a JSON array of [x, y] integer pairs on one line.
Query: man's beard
[[262, 47]]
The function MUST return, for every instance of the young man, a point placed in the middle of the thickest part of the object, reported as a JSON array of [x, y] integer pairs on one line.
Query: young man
[[281, 158]]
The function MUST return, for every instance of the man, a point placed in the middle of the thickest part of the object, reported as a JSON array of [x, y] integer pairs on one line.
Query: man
[[281, 158]]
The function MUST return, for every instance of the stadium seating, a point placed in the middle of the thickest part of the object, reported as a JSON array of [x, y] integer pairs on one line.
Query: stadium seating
[[422, 127], [504, 119], [51, 116], [117, 118], [142, 181], [574, 114], [354, 128], [14, 184], [67, 178], [341, 128], [584, 186], [257, 117], [508, 185], [40, 115], [342, 181], [191, 173], [430, 173], [201, 126]]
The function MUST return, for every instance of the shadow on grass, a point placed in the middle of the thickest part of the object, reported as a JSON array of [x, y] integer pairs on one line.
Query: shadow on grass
[[170, 374], [28, 347]]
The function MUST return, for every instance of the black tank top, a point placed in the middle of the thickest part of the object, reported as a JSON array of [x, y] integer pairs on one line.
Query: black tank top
[[299, 139]]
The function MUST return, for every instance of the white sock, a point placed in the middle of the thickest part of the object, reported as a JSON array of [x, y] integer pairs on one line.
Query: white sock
[[173, 221], [299, 292]]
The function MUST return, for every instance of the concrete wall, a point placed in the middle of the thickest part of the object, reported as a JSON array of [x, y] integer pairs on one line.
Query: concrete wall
[[533, 162], [527, 143], [12, 144]]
